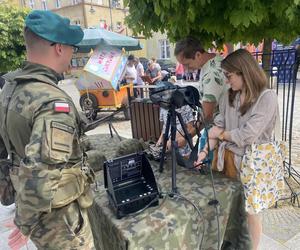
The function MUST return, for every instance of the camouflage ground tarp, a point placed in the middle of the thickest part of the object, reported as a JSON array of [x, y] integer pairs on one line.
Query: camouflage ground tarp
[[174, 224]]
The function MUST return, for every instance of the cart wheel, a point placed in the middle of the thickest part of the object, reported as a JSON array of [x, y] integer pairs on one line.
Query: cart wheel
[[127, 113], [89, 105]]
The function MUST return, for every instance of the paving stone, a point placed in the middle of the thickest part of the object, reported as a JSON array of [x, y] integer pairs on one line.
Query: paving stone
[[267, 243], [294, 243], [281, 224]]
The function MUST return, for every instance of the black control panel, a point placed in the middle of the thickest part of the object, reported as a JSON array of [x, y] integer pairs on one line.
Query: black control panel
[[130, 183], [124, 170]]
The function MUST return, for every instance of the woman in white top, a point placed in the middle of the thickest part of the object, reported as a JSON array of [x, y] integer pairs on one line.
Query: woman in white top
[[130, 74], [139, 81]]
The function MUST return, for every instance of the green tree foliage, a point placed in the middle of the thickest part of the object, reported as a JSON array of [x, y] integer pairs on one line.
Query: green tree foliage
[[217, 20], [12, 49]]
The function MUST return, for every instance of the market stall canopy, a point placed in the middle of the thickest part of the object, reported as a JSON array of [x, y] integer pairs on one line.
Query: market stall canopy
[[94, 37]]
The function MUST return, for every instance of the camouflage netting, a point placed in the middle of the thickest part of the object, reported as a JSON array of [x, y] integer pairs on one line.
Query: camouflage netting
[[174, 224], [101, 147]]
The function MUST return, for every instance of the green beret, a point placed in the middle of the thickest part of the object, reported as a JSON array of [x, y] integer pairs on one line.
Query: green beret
[[54, 28]]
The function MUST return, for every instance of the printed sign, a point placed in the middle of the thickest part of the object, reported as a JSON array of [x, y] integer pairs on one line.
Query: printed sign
[[105, 69]]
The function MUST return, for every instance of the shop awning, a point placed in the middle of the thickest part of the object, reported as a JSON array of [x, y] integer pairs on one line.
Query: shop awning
[[94, 37]]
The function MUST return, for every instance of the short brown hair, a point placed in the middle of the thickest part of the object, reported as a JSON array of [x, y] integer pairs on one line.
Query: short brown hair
[[32, 40], [188, 47], [243, 63]]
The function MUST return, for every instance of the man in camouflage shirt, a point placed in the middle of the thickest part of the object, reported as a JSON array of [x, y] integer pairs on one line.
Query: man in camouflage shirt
[[212, 86], [41, 130]]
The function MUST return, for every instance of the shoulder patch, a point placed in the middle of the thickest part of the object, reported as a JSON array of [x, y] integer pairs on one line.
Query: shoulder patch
[[62, 107]]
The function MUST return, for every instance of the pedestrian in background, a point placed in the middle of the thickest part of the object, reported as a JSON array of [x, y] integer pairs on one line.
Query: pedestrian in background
[[179, 71], [156, 64], [41, 130], [153, 72], [140, 72], [130, 72]]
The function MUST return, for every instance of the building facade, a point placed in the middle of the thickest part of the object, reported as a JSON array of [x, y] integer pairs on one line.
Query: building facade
[[108, 14], [159, 46]]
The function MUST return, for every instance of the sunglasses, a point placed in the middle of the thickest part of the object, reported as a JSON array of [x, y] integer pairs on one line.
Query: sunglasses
[[75, 48]]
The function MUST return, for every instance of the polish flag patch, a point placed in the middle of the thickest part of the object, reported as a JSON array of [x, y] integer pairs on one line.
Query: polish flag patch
[[62, 107]]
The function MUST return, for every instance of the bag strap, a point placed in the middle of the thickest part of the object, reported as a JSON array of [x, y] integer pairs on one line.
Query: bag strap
[[9, 89], [277, 119], [277, 126]]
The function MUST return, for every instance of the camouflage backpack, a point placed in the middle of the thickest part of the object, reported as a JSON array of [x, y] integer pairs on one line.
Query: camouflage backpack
[[7, 191]]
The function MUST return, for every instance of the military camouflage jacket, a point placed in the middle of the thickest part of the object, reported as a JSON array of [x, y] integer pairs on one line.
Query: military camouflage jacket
[[43, 128]]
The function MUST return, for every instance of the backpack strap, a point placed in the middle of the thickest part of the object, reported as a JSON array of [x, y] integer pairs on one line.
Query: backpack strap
[[8, 89]]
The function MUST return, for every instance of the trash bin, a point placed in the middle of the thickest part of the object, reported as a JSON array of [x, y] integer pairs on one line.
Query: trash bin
[[145, 120]]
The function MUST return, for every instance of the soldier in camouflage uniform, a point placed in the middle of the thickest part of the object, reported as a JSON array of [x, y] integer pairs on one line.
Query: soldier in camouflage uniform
[[41, 130]]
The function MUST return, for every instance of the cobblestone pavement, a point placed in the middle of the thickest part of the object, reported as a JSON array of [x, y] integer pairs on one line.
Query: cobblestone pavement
[[281, 226]]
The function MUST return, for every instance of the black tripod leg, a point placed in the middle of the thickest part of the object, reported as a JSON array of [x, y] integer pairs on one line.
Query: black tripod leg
[[110, 130], [116, 132], [173, 148], [165, 140]]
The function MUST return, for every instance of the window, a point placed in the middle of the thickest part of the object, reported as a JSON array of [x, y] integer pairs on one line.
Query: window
[[99, 2], [31, 4], [44, 5], [74, 2], [57, 4], [164, 49], [115, 3]]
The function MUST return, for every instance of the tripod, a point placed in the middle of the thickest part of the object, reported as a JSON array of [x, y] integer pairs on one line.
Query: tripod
[[171, 125]]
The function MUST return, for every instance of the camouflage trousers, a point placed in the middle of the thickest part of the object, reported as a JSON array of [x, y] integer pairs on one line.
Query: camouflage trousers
[[64, 228]]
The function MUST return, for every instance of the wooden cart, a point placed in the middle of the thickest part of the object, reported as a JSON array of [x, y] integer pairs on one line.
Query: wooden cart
[[93, 101]]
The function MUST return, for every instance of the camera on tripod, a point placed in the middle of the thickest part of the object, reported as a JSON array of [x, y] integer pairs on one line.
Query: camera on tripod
[[172, 97], [167, 95]]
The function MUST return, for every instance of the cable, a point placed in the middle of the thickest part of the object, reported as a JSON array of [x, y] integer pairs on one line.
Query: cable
[[198, 211], [213, 202], [170, 194]]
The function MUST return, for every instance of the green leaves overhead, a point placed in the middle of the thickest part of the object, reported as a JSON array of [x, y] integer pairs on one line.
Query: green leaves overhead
[[217, 20], [12, 49]]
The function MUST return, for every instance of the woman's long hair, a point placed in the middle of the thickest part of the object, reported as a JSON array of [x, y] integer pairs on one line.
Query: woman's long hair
[[243, 63]]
